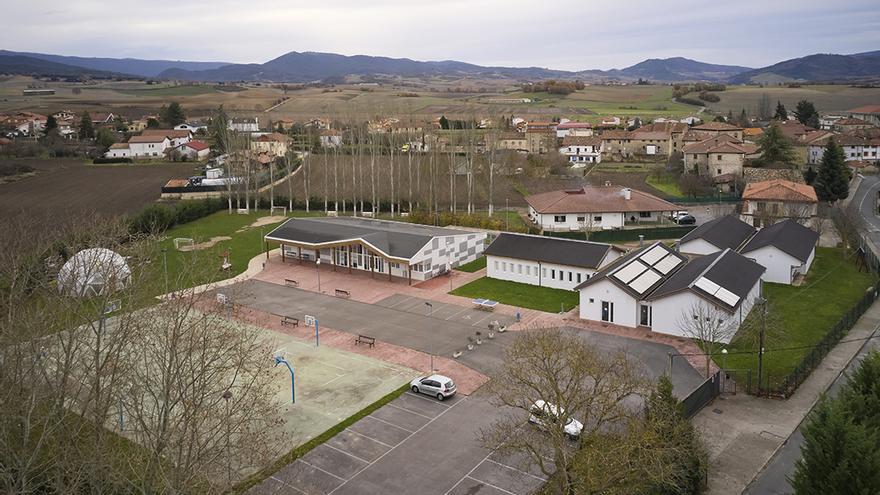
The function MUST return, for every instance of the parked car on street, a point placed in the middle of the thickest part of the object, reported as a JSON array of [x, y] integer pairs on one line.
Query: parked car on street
[[686, 220], [545, 415], [439, 386], [678, 214]]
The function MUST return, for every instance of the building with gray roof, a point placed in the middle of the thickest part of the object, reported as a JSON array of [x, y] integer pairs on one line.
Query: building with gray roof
[[716, 235], [786, 248]]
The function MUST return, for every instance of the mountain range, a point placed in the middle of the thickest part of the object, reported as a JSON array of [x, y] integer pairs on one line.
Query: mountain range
[[314, 66]]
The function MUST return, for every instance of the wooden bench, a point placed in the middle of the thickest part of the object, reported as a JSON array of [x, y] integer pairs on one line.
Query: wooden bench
[[289, 321], [343, 293], [291, 283], [364, 339]]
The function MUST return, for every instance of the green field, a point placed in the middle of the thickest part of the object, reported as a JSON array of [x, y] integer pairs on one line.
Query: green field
[[805, 314], [474, 266], [520, 295], [827, 98], [666, 183], [169, 91]]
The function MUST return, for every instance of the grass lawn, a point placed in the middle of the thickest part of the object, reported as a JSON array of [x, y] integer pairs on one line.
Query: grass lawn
[[477, 264], [517, 294], [665, 183], [807, 313]]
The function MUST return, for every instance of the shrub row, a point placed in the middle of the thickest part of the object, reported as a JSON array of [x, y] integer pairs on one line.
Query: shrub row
[[628, 234], [112, 160], [458, 219], [160, 217]]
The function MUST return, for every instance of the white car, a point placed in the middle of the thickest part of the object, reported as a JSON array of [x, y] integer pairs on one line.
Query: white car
[[678, 214], [439, 386], [544, 415]]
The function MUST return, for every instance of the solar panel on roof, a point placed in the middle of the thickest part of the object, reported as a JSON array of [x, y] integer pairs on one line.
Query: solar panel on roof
[[728, 297], [707, 285], [630, 271], [666, 265], [653, 255], [645, 281]]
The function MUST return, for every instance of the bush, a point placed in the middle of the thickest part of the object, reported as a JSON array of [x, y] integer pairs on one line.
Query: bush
[[7, 169], [97, 161], [690, 101], [711, 97], [160, 217]]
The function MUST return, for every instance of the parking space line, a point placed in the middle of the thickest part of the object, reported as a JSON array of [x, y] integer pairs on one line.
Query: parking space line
[[456, 314], [481, 320], [407, 410], [392, 448], [468, 475], [488, 484], [288, 485], [346, 453], [419, 396], [493, 461], [319, 469], [404, 299], [391, 424], [380, 442]]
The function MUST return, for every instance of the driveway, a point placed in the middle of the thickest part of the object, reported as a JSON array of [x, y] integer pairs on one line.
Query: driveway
[[414, 444]]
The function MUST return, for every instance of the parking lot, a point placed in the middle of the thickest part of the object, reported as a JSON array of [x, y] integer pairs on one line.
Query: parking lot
[[454, 313], [414, 444]]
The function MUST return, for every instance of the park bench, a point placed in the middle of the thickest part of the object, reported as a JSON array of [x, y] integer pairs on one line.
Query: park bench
[[291, 283], [364, 339], [343, 293], [289, 321]]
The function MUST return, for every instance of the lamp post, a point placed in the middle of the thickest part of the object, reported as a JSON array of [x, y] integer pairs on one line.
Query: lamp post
[[165, 267], [281, 360], [226, 396], [318, 271], [506, 214], [763, 302], [430, 312], [724, 358]]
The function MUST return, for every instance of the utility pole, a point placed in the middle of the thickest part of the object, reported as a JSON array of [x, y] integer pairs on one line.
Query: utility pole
[[430, 312]]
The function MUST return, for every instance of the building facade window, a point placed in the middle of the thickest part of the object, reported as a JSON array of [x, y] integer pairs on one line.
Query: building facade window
[[559, 218]]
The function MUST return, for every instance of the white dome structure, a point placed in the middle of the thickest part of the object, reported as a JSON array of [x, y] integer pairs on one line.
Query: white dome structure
[[93, 271]]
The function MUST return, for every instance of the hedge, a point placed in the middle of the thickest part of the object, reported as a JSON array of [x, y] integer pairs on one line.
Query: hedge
[[98, 161], [628, 235], [160, 217]]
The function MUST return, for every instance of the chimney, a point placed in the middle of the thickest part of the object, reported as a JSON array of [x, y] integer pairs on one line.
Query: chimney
[[627, 193]]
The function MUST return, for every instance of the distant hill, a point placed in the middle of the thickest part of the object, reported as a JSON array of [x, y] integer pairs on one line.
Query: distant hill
[[818, 67], [679, 69], [30, 66], [134, 66]]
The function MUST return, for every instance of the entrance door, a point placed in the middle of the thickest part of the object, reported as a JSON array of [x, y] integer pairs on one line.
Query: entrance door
[[379, 264], [645, 315], [607, 311]]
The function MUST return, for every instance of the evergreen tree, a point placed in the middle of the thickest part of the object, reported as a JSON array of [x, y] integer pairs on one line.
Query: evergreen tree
[[152, 123], [775, 147], [173, 114], [730, 116], [444, 122], [105, 137], [806, 114], [831, 181], [838, 455], [861, 396], [744, 118], [810, 176], [51, 124], [780, 114], [86, 128]]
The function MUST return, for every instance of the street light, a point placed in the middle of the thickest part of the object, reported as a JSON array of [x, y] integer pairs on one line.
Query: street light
[[724, 359], [165, 267], [226, 396], [430, 351], [763, 302], [318, 271], [507, 214], [281, 360]]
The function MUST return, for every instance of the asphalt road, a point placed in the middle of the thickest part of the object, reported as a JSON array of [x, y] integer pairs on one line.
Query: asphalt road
[[773, 480]]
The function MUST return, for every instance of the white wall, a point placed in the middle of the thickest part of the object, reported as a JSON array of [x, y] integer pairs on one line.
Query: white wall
[[668, 311], [535, 273], [625, 306], [697, 246], [571, 223], [778, 264]]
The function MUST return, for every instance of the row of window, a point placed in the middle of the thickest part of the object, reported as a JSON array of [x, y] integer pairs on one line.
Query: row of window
[[580, 219], [561, 275]]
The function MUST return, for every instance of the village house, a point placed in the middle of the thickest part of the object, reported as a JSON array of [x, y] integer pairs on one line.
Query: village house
[[515, 141], [596, 208], [244, 124], [194, 150], [582, 150], [331, 138], [727, 232], [674, 129], [868, 113], [801, 138], [102, 118], [720, 155], [785, 248], [850, 124], [149, 146], [118, 150], [272, 143], [658, 289], [716, 128], [855, 148], [546, 261], [176, 137], [570, 128], [767, 202], [540, 137]]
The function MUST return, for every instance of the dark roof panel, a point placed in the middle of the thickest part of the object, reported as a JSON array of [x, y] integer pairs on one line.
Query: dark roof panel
[[549, 250], [788, 236], [724, 232]]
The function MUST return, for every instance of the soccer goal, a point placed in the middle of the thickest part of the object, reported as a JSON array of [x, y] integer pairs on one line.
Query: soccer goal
[[278, 210], [183, 241]]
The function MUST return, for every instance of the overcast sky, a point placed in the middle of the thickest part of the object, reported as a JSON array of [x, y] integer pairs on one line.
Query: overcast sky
[[561, 34]]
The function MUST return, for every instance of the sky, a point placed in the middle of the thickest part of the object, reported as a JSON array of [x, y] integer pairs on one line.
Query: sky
[[561, 34]]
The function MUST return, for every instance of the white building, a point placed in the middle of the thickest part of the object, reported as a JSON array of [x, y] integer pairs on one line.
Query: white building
[[175, 137], [659, 289], [192, 127], [118, 150], [244, 124], [381, 247], [854, 148], [582, 150], [596, 208], [546, 261], [727, 232], [194, 150], [786, 249], [148, 146], [331, 138], [569, 128]]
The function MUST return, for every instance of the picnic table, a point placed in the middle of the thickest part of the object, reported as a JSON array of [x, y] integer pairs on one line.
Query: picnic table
[[485, 304]]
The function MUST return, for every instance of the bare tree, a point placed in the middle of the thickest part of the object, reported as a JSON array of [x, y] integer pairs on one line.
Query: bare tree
[[709, 327], [849, 224], [581, 383]]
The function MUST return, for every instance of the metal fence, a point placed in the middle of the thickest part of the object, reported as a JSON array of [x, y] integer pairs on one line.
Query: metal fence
[[702, 395]]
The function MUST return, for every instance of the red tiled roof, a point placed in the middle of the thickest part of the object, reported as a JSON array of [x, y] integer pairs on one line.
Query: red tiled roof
[[574, 125], [716, 126], [581, 141], [866, 109], [705, 145], [148, 139], [852, 121], [780, 190], [170, 133], [197, 145], [596, 199], [272, 137]]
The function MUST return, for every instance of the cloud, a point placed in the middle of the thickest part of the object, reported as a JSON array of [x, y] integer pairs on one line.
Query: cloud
[[565, 34]]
